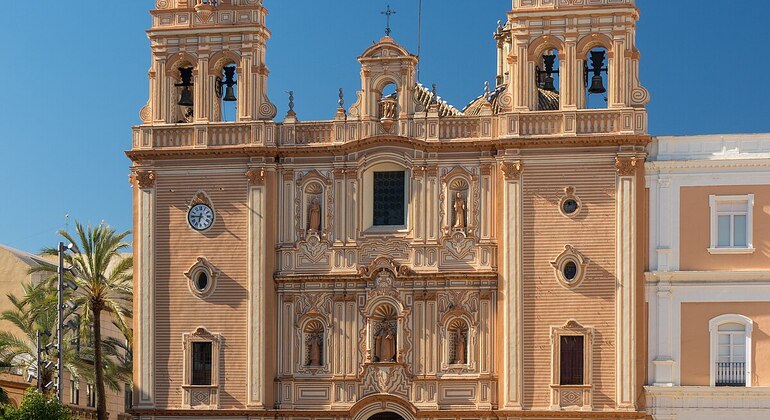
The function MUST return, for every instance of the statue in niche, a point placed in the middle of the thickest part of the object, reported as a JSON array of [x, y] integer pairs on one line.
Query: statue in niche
[[461, 344], [385, 343], [314, 217], [315, 350], [459, 207]]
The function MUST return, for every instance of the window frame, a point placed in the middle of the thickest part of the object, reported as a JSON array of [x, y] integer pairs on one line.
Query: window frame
[[582, 393], [367, 199], [714, 324], [201, 335], [714, 202]]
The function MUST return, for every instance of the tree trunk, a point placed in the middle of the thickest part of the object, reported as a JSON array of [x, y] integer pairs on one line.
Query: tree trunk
[[101, 400]]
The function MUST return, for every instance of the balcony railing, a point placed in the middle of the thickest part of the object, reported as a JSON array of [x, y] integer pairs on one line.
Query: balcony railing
[[432, 129], [731, 374]]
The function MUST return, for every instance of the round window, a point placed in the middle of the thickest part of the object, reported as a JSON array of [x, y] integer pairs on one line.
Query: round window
[[202, 281], [570, 271], [570, 206]]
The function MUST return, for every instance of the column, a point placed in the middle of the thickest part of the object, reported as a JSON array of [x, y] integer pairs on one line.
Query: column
[[257, 250], [144, 322], [625, 296], [512, 299]]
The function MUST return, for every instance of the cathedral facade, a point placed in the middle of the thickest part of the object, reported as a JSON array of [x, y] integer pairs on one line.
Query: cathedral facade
[[406, 259]]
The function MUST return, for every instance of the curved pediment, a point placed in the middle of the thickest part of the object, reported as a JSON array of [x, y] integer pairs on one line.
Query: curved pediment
[[386, 48]]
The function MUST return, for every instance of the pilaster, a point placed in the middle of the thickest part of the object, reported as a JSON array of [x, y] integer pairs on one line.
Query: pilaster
[[625, 298], [257, 250], [512, 290], [144, 376]]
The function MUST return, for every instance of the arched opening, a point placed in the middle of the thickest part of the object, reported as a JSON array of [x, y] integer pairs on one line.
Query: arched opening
[[388, 415], [227, 92], [388, 103], [596, 70], [384, 330], [548, 81], [183, 97], [457, 332], [314, 344]]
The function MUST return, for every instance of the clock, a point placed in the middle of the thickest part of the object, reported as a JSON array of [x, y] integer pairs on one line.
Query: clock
[[200, 217]]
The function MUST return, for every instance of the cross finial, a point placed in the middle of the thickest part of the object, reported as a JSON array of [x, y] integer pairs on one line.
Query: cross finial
[[388, 13]]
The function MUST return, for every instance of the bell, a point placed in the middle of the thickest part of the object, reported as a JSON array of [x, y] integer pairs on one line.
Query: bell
[[230, 95], [597, 85], [548, 84], [186, 98]]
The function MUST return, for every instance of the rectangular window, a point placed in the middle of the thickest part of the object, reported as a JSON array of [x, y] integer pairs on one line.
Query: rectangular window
[[91, 394], [74, 392], [201, 363], [731, 224], [571, 360], [389, 199]]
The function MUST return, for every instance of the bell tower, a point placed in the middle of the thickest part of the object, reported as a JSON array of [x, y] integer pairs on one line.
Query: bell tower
[[208, 62], [587, 48]]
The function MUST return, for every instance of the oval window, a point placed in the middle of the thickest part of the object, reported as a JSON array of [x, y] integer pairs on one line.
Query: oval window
[[570, 271], [570, 206], [202, 281]]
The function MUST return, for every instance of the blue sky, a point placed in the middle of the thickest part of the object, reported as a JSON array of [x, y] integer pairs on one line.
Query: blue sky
[[75, 76]]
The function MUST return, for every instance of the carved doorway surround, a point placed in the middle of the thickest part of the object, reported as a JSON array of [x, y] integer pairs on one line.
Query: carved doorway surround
[[388, 415]]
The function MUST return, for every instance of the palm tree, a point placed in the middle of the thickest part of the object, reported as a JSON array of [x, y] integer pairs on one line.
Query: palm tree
[[105, 285], [35, 312]]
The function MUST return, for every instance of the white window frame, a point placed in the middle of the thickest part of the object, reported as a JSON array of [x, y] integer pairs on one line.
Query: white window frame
[[714, 201], [714, 324]]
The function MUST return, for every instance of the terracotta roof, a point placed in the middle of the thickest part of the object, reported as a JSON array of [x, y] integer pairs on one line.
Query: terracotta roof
[[547, 101], [424, 96]]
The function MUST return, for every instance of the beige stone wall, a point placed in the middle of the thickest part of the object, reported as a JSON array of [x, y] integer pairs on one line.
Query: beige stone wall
[[696, 230], [177, 310], [546, 302], [695, 339]]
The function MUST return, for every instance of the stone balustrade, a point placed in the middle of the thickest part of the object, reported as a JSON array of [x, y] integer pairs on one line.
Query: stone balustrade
[[547, 124]]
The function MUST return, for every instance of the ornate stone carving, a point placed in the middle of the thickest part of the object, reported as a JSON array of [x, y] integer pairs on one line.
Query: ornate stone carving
[[145, 179], [256, 177], [314, 216], [626, 166], [512, 170], [384, 263], [385, 380], [459, 208]]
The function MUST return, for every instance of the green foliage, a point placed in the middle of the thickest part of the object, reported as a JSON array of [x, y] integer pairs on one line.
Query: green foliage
[[36, 406]]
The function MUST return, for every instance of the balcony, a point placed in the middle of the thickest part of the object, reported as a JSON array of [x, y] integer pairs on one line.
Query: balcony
[[731, 374]]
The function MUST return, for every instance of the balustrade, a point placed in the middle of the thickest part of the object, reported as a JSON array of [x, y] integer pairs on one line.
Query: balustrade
[[541, 124], [459, 128]]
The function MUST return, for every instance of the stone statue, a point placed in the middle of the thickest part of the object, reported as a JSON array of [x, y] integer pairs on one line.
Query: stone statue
[[459, 207], [460, 350], [315, 216], [385, 344], [315, 350]]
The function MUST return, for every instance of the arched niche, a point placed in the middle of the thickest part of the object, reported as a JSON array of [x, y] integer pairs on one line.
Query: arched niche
[[180, 101], [227, 86]]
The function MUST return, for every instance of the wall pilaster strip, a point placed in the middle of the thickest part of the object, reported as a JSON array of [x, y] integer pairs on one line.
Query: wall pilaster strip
[[145, 383], [256, 320], [626, 285], [513, 320]]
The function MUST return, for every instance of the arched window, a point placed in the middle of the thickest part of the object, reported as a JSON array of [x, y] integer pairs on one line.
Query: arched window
[[314, 344], [596, 69], [548, 81], [730, 350], [384, 334]]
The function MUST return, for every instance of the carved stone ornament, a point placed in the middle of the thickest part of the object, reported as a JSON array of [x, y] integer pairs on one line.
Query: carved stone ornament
[[145, 179], [202, 278], [626, 166], [570, 267], [512, 170], [256, 177], [200, 198], [384, 263]]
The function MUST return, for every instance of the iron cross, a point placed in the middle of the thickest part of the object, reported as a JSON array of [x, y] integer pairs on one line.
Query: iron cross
[[388, 12]]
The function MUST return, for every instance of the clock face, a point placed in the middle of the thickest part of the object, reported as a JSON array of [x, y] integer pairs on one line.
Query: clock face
[[200, 217]]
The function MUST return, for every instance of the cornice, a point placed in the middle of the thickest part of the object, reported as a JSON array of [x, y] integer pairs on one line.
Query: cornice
[[684, 165], [707, 277], [331, 149], [363, 278]]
